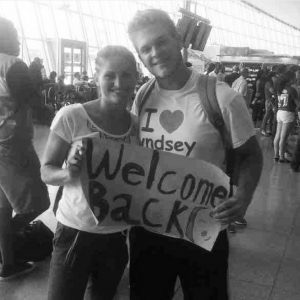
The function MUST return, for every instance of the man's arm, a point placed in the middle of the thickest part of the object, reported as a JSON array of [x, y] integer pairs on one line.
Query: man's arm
[[250, 166]]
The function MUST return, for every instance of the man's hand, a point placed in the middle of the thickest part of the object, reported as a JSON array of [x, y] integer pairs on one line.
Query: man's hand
[[230, 210]]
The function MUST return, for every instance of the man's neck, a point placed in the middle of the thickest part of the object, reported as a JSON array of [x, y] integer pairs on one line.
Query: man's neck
[[177, 80]]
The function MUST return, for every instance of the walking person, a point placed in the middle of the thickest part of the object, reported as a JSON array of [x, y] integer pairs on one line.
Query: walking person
[[173, 111]]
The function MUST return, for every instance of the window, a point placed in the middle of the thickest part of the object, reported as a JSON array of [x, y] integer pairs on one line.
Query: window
[[29, 19], [62, 24]]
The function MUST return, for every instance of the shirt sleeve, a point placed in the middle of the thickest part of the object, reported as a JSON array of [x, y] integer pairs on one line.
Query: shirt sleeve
[[236, 116], [64, 124]]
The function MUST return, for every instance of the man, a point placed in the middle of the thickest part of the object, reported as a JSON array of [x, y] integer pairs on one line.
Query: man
[[230, 78], [173, 111], [240, 85]]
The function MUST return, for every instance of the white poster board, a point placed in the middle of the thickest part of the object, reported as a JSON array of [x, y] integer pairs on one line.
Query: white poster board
[[163, 192]]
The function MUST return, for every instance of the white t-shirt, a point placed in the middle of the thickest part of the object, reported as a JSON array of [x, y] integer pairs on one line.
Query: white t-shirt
[[175, 121], [70, 123], [240, 85]]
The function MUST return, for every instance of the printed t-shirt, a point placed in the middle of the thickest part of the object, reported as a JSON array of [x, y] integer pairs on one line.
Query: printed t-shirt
[[286, 100], [71, 123], [175, 121]]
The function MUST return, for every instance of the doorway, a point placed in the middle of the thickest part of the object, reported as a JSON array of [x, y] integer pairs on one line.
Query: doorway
[[73, 59]]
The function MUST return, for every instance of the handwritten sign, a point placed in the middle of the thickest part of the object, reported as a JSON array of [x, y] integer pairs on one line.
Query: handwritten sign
[[163, 192]]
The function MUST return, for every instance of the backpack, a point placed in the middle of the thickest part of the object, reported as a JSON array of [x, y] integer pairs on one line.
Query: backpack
[[207, 93], [33, 242]]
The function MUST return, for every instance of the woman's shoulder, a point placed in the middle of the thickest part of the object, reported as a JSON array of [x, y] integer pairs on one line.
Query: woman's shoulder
[[71, 108], [71, 111]]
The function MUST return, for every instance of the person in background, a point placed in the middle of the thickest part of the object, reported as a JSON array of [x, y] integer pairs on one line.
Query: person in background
[[287, 104], [210, 68], [35, 71], [230, 78], [220, 69], [258, 102], [240, 85], [52, 77], [84, 76], [157, 260], [270, 105], [279, 74], [77, 81], [216, 70], [22, 193], [83, 249]]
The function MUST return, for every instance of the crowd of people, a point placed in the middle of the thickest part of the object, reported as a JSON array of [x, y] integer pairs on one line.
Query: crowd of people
[[89, 258], [274, 103]]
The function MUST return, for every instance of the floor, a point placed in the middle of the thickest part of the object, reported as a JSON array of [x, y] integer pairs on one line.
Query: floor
[[264, 257]]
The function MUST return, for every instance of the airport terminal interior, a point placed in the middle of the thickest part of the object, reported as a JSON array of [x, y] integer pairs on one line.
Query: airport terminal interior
[[255, 41]]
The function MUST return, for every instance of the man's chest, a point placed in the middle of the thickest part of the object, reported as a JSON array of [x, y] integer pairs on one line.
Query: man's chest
[[175, 126]]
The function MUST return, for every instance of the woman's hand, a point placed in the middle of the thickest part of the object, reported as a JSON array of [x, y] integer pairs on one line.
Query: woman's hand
[[74, 162], [56, 153]]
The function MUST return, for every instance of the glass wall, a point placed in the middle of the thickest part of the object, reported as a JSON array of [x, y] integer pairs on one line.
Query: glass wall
[[239, 25], [102, 22]]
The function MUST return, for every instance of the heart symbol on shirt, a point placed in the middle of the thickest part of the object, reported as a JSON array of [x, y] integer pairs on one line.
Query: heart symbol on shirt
[[170, 121]]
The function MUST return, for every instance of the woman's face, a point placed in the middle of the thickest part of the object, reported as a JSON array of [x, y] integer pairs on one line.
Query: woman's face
[[117, 78]]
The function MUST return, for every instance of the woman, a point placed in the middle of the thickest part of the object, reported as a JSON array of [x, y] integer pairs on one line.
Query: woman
[[21, 188], [287, 103], [83, 249]]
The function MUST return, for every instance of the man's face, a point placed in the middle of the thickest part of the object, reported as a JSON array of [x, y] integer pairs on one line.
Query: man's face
[[158, 50]]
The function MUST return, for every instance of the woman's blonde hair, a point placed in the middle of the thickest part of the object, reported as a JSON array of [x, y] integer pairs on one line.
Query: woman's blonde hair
[[111, 51]]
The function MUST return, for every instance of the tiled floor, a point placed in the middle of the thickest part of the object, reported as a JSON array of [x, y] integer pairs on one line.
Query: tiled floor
[[264, 257]]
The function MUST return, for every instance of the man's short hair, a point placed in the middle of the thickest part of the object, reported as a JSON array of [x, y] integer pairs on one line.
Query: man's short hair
[[144, 18]]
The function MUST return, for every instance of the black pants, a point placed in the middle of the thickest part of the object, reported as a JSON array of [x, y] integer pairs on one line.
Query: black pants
[[156, 261], [83, 261]]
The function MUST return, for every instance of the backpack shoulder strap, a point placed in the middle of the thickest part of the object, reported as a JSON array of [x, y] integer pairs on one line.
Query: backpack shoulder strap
[[207, 93], [144, 93]]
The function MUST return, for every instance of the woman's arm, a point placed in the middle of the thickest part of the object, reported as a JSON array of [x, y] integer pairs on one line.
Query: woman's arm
[[55, 154]]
